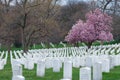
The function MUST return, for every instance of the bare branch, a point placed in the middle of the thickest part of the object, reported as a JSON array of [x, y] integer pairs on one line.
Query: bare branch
[[105, 6]]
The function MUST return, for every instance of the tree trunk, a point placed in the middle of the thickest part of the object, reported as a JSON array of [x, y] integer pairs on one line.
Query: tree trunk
[[25, 48], [9, 48], [89, 45], [23, 41], [48, 45], [101, 42], [76, 45]]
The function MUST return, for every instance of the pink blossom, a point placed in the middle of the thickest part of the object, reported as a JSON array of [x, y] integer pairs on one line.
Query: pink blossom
[[96, 27]]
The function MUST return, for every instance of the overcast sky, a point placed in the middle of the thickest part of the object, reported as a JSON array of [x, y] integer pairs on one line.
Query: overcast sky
[[64, 2]]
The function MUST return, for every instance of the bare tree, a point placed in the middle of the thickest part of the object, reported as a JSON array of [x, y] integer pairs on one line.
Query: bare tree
[[6, 21], [34, 17], [112, 7]]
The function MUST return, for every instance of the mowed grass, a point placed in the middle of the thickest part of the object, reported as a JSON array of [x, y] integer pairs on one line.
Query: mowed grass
[[49, 74], [113, 75], [6, 74]]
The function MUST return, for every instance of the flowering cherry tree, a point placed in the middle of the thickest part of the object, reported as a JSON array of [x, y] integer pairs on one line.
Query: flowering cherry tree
[[96, 27]]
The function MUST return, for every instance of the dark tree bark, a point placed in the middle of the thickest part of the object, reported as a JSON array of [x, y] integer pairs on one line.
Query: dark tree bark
[[89, 44]]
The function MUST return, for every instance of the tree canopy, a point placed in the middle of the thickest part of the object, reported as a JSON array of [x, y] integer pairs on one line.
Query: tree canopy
[[96, 27]]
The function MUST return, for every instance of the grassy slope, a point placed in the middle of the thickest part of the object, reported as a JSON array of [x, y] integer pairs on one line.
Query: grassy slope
[[6, 74], [49, 75], [113, 75]]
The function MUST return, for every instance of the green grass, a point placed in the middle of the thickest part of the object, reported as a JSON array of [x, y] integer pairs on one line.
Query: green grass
[[113, 75], [49, 75], [6, 74]]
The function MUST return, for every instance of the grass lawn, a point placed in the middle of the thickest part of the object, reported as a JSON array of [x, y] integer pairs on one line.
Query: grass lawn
[[6, 74]]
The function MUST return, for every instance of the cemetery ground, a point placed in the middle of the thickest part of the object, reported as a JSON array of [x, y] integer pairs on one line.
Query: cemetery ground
[[6, 73]]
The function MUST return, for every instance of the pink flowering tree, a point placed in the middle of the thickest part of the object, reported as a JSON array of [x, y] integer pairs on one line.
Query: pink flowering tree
[[96, 27]]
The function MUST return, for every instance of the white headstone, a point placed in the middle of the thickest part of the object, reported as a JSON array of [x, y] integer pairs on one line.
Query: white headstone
[[41, 68], [1, 64], [82, 61], [26, 63], [15, 62], [67, 70], [30, 64], [48, 63], [85, 73], [97, 71], [76, 62], [112, 62], [116, 58], [88, 61], [56, 65], [105, 65], [18, 78], [17, 70]]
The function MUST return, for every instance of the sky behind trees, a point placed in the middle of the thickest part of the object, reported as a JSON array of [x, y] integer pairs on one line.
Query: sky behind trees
[[64, 2], [61, 2]]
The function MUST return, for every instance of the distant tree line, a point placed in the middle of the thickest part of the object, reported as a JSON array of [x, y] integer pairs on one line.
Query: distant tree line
[[27, 22]]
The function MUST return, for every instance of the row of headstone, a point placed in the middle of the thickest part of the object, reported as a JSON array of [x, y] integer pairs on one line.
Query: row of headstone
[[85, 72], [53, 58], [77, 61], [67, 69], [2, 63]]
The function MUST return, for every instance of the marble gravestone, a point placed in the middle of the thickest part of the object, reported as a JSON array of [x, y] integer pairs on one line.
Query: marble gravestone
[[97, 71], [41, 68], [85, 73], [56, 65], [67, 74]]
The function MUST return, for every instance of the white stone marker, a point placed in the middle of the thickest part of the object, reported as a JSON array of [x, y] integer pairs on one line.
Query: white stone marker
[[1, 64], [88, 61], [76, 62], [82, 61], [48, 63], [56, 65], [17, 69], [26, 63], [117, 60], [41, 68], [61, 64], [97, 71], [67, 70], [18, 78], [85, 73], [15, 62], [30, 64], [112, 62], [105, 65]]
